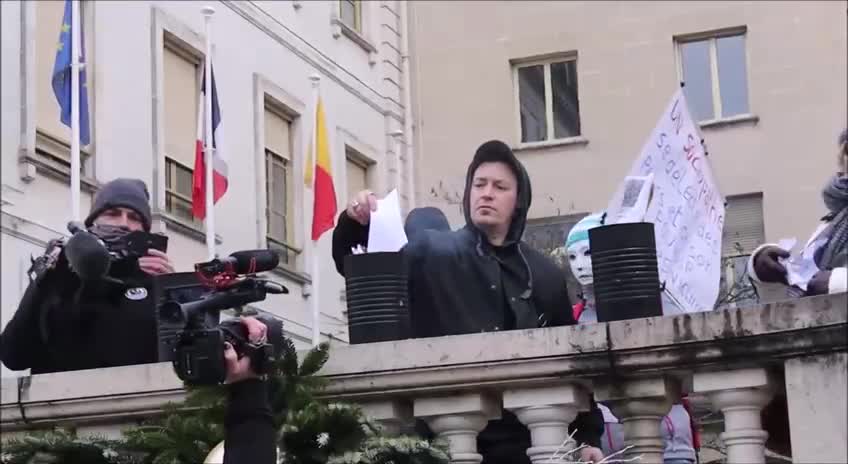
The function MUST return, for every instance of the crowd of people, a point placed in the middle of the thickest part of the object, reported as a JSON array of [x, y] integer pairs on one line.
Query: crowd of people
[[480, 277]]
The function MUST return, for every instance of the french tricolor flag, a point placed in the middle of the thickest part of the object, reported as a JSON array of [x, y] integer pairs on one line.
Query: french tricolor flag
[[219, 161]]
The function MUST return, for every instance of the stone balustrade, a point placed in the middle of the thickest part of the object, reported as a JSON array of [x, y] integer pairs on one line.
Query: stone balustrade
[[736, 359]]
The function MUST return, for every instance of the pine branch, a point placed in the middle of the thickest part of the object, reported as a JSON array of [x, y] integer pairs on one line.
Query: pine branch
[[288, 365], [315, 360]]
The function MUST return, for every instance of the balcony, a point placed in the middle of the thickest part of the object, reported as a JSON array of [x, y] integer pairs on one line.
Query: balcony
[[735, 360]]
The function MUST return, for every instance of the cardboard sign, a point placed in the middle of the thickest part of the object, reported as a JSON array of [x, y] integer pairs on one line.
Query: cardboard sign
[[686, 208]]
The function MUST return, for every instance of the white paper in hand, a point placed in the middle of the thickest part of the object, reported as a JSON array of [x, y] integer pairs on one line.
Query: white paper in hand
[[386, 230]]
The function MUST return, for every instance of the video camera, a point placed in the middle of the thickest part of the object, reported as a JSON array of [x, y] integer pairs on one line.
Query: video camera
[[190, 333]]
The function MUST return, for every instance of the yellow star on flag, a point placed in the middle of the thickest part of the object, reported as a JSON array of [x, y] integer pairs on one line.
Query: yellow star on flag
[[60, 46], [66, 27]]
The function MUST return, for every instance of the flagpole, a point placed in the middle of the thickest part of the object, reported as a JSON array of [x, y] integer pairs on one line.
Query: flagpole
[[316, 310], [76, 92], [208, 145]]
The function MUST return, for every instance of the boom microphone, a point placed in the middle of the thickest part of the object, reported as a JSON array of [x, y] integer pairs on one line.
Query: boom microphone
[[86, 254], [253, 261], [242, 262]]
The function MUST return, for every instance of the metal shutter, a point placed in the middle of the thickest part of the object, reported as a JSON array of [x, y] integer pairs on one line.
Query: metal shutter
[[357, 177], [743, 224]]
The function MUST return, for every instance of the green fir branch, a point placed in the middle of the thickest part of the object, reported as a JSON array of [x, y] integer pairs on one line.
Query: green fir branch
[[311, 431]]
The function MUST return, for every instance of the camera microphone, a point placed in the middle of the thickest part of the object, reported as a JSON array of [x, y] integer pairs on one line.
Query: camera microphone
[[243, 262], [86, 254]]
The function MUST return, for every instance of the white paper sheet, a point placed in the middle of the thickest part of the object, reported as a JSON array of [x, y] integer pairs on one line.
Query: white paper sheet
[[801, 266], [632, 203], [386, 230]]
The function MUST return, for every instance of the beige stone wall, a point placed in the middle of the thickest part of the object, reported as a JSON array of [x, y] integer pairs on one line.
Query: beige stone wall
[[627, 72]]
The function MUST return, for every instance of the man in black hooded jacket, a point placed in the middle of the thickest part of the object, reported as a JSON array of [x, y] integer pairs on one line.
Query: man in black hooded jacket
[[481, 278]]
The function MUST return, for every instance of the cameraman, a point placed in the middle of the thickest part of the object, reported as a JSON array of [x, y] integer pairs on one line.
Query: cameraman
[[70, 316], [249, 436]]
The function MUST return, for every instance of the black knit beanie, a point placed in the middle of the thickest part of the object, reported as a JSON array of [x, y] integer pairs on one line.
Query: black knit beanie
[[127, 193]]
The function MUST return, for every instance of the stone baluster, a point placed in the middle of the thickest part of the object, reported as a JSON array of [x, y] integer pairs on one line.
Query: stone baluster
[[393, 415], [547, 411], [640, 405], [458, 419], [740, 395]]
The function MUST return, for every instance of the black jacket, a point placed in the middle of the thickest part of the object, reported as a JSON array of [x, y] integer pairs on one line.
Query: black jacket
[[62, 324], [459, 283], [249, 435]]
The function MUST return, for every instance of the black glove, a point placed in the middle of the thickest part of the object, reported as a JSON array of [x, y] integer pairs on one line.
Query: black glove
[[767, 264], [87, 254]]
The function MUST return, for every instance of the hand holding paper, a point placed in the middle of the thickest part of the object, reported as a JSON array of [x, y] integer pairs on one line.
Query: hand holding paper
[[386, 231], [800, 267]]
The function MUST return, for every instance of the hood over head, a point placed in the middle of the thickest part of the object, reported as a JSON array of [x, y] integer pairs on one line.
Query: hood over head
[[497, 151]]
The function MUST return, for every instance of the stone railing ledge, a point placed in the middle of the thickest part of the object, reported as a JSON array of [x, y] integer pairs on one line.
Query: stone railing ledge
[[89, 394]]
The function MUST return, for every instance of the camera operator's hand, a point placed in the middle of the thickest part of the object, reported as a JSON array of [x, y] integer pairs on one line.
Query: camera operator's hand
[[361, 207], [237, 369], [240, 369], [257, 331], [156, 263]]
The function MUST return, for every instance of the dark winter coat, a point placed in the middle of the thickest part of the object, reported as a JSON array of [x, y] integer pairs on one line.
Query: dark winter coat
[[249, 434], [62, 324]]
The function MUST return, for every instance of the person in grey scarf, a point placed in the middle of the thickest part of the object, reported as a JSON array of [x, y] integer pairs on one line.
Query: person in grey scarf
[[829, 246]]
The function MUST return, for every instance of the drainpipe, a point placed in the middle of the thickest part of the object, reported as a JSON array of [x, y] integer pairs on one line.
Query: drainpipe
[[407, 106]]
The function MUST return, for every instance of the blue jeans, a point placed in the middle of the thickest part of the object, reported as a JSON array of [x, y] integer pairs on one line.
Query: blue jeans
[[678, 461]]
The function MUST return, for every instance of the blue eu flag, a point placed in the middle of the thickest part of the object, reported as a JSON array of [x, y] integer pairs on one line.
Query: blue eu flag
[[62, 78]]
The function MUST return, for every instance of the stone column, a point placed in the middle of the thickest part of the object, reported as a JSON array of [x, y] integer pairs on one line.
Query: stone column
[[393, 415], [547, 411], [640, 405], [458, 419], [740, 395]]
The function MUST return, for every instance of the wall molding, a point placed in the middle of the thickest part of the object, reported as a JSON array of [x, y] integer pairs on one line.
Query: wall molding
[[28, 230], [328, 68]]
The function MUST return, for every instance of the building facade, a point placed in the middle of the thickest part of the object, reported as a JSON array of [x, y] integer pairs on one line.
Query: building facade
[[576, 88], [144, 67]]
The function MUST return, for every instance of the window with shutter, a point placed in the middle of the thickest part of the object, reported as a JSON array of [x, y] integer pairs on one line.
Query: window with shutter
[[356, 174], [181, 103], [48, 21], [744, 231], [278, 196]]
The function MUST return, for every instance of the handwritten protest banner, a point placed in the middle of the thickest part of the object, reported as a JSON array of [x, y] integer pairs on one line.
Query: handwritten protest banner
[[686, 209]]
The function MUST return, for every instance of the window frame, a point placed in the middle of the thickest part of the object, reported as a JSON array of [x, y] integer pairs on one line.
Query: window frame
[[545, 62], [171, 167], [172, 43], [270, 97], [362, 153], [361, 161], [49, 153], [357, 14], [166, 29], [729, 275], [288, 242], [712, 37]]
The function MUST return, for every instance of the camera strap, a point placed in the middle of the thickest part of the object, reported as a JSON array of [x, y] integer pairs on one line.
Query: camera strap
[[23, 385], [39, 266]]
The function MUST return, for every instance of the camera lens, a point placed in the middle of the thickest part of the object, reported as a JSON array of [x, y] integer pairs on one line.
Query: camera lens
[[170, 311]]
